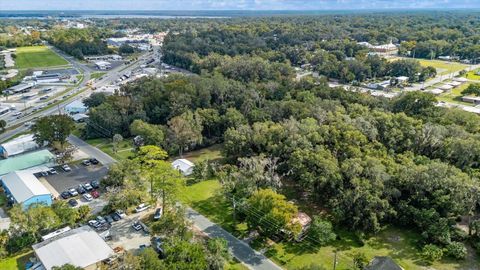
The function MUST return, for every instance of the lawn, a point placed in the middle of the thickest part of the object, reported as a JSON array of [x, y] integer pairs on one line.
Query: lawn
[[454, 96], [207, 199], [16, 262], [36, 57], [400, 244], [124, 149], [472, 76], [209, 153], [97, 75], [443, 67]]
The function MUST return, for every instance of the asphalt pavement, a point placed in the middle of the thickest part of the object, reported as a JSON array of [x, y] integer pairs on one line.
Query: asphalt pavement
[[240, 250], [90, 150]]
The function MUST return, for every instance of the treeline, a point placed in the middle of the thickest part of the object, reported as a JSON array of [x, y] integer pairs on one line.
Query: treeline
[[79, 42]]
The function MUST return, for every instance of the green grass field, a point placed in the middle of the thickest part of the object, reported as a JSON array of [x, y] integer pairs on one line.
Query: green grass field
[[400, 244], [124, 148], [209, 153], [16, 262], [97, 75], [472, 76], [36, 57], [442, 66]]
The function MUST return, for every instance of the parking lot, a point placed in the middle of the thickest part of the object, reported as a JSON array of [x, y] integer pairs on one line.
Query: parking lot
[[123, 235], [80, 174]]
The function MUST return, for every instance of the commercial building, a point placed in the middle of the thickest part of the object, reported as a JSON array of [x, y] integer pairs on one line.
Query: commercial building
[[112, 57], [75, 107], [103, 65], [18, 145], [185, 166], [48, 78], [20, 88], [37, 159], [80, 247], [23, 187], [385, 49]]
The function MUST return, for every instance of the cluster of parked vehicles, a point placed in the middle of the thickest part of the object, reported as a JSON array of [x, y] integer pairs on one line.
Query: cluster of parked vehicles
[[87, 190], [103, 223]]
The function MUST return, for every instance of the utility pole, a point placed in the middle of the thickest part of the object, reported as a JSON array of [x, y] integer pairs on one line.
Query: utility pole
[[335, 260]]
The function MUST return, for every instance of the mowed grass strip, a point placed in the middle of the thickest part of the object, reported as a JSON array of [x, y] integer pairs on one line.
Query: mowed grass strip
[[36, 57], [442, 67]]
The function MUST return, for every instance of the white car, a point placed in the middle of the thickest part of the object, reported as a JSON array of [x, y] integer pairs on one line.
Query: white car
[[73, 192], [87, 197], [66, 168], [142, 207], [17, 113]]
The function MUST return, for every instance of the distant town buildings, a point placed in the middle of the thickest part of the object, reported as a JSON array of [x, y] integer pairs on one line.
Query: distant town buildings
[[383, 49]]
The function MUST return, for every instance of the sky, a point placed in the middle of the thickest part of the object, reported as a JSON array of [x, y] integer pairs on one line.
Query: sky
[[232, 4]]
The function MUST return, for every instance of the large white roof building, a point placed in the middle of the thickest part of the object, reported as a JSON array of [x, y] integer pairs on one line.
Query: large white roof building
[[19, 145], [80, 247], [25, 188]]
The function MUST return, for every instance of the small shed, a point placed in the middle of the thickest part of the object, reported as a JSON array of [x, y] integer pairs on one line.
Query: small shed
[[185, 166]]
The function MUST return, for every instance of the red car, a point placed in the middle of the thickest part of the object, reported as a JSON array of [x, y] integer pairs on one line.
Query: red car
[[95, 194]]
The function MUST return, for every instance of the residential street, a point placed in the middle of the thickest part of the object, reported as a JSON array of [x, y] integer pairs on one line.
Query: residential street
[[240, 250], [90, 150]]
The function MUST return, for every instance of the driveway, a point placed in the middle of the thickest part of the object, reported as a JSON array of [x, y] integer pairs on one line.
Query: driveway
[[125, 236], [91, 150], [79, 175], [240, 250]]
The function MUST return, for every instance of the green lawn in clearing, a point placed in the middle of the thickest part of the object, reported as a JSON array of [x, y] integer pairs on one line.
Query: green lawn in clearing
[[37, 56], [209, 153], [124, 149], [443, 67], [400, 244], [16, 262], [454, 96]]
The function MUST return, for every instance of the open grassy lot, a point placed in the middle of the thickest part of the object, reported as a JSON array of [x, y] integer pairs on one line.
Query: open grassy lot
[[16, 262], [454, 96], [442, 67], [400, 244], [472, 76], [209, 153], [124, 149], [37, 56]]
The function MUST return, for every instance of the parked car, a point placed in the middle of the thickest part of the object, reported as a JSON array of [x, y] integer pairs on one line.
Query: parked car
[[52, 171], [94, 161], [73, 192], [87, 197], [94, 223], [121, 213], [115, 217], [44, 173], [142, 207], [95, 194], [136, 225], [86, 162], [109, 219], [65, 195], [72, 202], [101, 219], [81, 190], [66, 168], [87, 187], [158, 213], [95, 184]]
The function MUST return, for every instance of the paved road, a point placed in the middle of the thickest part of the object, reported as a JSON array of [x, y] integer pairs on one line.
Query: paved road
[[90, 150], [240, 250]]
